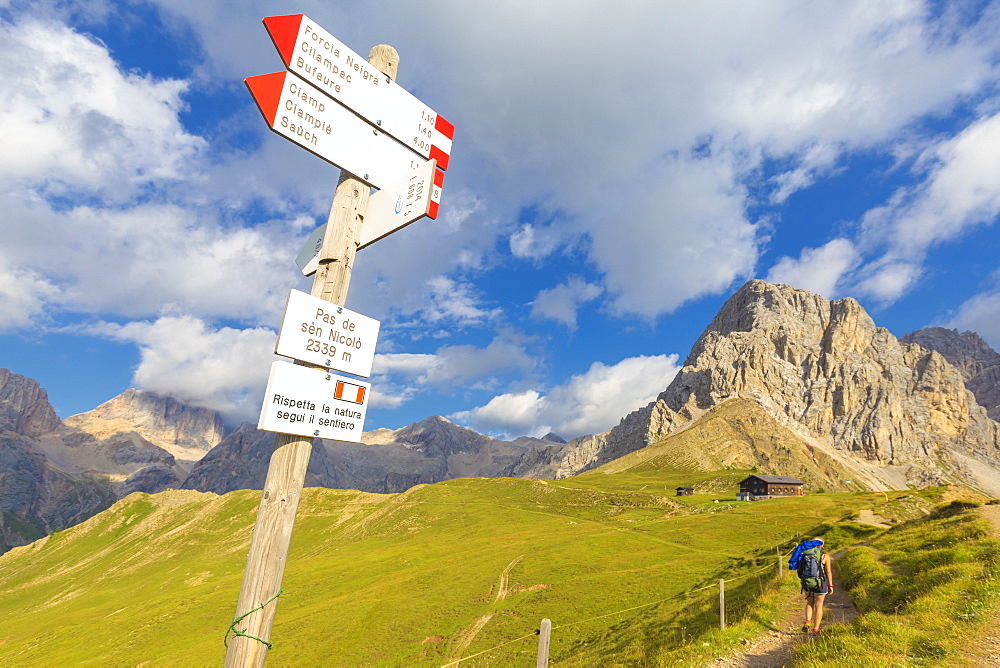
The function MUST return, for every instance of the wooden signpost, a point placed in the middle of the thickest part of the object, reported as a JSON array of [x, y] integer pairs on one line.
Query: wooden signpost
[[334, 404]]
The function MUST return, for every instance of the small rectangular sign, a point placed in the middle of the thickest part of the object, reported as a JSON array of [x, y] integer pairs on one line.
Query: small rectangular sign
[[409, 199], [319, 332], [302, 114], [318, 57], [313, 403]]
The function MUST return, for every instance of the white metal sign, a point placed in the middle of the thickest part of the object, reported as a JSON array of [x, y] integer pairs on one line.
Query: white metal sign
[[308, 258], [312, 403], [414, 196], [299, 112], [314, 54], [317, 331]]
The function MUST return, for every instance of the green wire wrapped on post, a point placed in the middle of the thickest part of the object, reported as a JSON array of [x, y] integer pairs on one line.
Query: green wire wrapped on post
[[237, 632]]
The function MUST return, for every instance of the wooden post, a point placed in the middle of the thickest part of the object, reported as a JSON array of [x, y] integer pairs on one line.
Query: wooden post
[[781, 569], [286, 473], [544, 637], [722, 604]]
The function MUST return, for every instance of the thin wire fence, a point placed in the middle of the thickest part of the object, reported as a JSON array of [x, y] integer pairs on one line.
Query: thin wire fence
[[617, 612]]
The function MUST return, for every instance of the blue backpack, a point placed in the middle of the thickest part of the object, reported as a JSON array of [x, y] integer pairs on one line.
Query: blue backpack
[[807, 560], [810, 569]]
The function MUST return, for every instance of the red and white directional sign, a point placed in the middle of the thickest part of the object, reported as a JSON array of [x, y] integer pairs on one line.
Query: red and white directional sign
[[298, 111], [317, 331], [313, 403], [314, 54], [416, 195]]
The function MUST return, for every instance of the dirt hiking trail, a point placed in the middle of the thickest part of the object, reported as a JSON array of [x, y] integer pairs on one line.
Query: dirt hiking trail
[[986, 648], [775, 649]]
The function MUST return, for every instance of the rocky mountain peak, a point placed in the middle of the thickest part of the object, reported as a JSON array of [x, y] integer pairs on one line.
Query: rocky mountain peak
[[186, 432], [978, 363], [24, 406], [440, 436], [825, 370]]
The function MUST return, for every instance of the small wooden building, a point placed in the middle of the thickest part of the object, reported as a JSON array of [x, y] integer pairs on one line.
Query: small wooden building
[[758, 487], [685, 491]]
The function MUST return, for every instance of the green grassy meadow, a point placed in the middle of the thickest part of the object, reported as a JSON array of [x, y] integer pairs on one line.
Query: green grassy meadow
[[627, 573]]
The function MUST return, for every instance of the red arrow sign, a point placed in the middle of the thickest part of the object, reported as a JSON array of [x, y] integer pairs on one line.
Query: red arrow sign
[[300, 112], [312, 53]]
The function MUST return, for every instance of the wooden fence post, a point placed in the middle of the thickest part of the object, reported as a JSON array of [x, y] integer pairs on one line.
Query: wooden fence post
[[286, 472], [722, 604], [781, 569], [544, 636]]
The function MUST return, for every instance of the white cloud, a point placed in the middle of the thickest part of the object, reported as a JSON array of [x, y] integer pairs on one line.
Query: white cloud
[[108, 207], [134, 261], [561, 302], [567, 125], [887, 280], [452, 367], [454, 302], [23, 295], [400, 377], [684, 235], [534, 242], [74, 123], [818, 270], [588, 403], [817, 161], [959, 192], [222, 369]]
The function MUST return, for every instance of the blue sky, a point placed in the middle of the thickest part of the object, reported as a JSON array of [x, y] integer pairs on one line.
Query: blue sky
[[618, 170]]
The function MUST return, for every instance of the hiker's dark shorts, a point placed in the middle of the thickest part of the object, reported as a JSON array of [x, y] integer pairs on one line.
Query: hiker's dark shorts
[[823, 589]]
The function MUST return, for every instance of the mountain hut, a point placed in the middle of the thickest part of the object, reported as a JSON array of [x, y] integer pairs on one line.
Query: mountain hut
[[758, 487], [685, 491]]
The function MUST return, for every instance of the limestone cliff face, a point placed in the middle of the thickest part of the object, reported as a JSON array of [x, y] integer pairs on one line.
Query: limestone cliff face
[[823, 369], [978, 363], [35, 497], [24, 406], [186, 432]]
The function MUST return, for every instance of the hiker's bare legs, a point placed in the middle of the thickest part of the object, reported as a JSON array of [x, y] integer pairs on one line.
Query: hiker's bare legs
[[814, 610], [818, 610]]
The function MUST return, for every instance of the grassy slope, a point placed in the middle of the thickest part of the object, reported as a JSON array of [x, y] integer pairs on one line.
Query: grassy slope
[[403, 579], [925, 588], [385, 579], [736, 435]]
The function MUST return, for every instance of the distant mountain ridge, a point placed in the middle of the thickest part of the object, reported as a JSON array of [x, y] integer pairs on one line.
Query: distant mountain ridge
[[36, 498], [186, 432], [55, 473], [782, 379], [385, 460]]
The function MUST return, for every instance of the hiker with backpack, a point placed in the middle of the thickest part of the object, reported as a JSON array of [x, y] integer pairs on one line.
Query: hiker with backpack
[[816, 576]]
